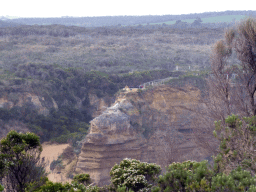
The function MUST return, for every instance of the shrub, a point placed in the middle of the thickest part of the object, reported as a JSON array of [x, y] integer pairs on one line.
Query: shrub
[[56, 164], [237, 180], [189, 175], [197, 176], [1, 187], [54, 187], [75, 185], [20, 160], [82, 178], [134, 175], [231, 134]]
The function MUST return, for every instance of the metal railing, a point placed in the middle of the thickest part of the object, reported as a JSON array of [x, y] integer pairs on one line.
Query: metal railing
[[155, 82], [162, 81]]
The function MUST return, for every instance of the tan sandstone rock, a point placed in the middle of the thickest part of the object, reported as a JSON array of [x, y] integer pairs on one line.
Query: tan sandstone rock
[[19, 96], [152, 126], [99, 105], [111, 139]]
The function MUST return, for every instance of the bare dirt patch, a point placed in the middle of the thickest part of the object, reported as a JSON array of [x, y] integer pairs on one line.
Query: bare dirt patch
[[51, 152]]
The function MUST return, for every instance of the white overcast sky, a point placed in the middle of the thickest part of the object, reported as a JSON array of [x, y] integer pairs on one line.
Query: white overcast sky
[[79, 8]]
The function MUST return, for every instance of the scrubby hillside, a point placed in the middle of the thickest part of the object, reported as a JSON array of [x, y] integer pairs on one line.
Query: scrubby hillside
[[58, 103], [106, 49]]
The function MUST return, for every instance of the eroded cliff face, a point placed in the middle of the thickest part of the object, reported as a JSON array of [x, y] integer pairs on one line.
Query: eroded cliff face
[[111, 138], [23, 95], [20, 96], [98, 105], [151, 126]]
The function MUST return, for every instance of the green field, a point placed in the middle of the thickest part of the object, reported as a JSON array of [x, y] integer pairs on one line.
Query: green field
[[227, 18], [11, 17]]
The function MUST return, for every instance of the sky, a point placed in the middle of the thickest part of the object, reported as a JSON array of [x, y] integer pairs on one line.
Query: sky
[[83, 8]]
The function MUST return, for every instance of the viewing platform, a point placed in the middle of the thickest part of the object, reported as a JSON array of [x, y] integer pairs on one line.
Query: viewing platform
[[155, 82]]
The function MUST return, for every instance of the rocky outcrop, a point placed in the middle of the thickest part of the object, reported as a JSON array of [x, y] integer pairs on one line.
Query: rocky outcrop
[[19, 96], [152, 126], [111, 139], [98, 105], [11, 96]]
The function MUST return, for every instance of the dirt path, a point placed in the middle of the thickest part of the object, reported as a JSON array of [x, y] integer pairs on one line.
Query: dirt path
[[51, 152]]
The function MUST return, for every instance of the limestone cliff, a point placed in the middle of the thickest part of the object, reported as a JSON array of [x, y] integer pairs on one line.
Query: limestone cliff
[[25, 96], [111, 138], [150, 126], [20, 95], [98, 105]]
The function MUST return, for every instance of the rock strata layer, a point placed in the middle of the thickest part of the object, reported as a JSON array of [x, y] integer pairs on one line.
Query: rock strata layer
[[110, 140], [14, 96], [151, 126]]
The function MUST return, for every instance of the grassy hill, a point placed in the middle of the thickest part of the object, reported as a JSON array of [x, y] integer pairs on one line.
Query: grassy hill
[[216, 19], [134, 20]]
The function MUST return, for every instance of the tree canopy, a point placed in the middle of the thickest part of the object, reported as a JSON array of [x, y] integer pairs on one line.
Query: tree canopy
[[20, 160]]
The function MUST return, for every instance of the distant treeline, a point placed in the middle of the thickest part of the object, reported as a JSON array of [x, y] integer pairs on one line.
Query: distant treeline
[[8, 23], [122, 20], [67, 31]]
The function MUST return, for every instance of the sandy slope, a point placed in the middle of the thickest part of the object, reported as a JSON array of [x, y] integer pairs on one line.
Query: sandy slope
[[51, 152]]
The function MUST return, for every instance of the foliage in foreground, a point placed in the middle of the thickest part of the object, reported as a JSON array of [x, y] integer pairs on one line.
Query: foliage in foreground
[[80, 183], [197, 176], [237, 141], [237, 144], [189, 176], [134, 175], [20, 160]]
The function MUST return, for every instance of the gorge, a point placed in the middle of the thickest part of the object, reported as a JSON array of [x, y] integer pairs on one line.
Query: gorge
[[151, 126]]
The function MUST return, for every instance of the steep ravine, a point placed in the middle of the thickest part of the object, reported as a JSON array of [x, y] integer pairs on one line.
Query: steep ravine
[[150, 126], [22, 96]]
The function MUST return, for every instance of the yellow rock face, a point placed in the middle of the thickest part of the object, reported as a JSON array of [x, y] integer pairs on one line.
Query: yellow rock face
[[99, 105], [20, 98], [152, 126]]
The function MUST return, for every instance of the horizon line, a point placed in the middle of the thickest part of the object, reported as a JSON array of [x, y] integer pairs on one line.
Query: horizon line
[[18, 17]]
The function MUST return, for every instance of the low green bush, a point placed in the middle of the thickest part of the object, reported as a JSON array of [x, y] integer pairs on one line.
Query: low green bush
[[75, 186], [231, 153], [82, 179], [237, 180], [134, 175], [56, 164], [191, 176]]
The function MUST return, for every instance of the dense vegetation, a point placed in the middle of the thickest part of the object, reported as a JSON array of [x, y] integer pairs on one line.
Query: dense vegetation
[[106, 49], [69, 63], [21, 168], [70, 88], [128, 175], [20, 161]]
